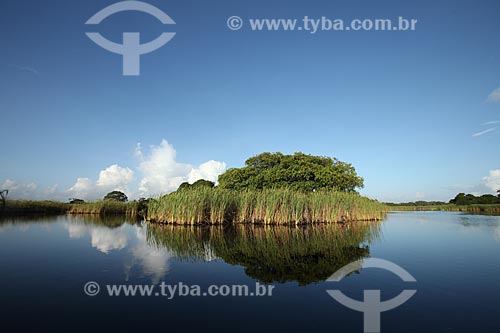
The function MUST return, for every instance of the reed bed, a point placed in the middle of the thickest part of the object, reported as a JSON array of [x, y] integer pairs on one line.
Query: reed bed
[[277, 206], [104, 207], [31, 207], [483, 209]]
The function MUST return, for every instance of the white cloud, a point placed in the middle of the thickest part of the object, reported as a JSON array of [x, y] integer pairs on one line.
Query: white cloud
[[488, 184], [493, 122], [112, 178], [484, 132], [13, 186], [162, 173], [492, 181], [209, 170], [20, 191], [494, 96], [115, 176], [82, 188]]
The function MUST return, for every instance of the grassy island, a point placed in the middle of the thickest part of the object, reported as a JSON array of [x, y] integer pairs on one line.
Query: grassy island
[[277, 206]]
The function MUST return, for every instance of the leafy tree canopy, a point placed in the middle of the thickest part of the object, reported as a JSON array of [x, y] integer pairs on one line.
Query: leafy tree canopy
[[197, 184], [116, 196], [298, 171]]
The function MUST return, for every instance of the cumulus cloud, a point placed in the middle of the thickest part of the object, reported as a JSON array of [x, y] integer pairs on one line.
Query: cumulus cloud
[[112, 178], [115, 177], [209, 170], [162, 173], [20, 190], [82, 187], [492, 181], [158, 169], [494, 96], [26, 190], [488, 184]]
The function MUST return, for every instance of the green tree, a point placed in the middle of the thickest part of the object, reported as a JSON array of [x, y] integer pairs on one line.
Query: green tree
[[197, 184], [298, 171], [202, 183], [116, 196], [184, 186]]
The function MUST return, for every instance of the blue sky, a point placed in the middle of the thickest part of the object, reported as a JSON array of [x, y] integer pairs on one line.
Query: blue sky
[[401, 106]]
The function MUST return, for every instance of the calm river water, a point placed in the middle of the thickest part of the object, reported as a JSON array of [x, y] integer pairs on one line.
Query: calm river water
[[47, 262]]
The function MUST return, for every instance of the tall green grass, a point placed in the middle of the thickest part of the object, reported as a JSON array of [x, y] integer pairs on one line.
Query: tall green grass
[[277, 206], [33, 208], [485, 209], [105, 207], [37, 208]]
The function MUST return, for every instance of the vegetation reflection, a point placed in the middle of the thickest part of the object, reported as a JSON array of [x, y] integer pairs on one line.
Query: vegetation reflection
[[305, 254]]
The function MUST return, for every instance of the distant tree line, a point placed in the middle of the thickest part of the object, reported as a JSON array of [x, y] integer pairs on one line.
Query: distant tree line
[[470, 199], [460, 199], [417, 203]]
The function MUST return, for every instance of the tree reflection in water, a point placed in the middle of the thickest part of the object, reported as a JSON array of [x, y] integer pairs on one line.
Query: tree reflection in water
[[305, 254]]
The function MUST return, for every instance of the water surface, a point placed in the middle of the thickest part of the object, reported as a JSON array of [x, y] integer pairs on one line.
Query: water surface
[[45, 263]]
